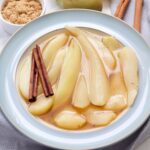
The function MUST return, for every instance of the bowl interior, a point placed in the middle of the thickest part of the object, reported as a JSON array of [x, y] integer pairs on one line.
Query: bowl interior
[[40, 42], [11, 102]]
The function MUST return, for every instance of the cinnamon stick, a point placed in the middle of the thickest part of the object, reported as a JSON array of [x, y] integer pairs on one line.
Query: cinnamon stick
[[121, 9], [138, 14], [33, 81], [46, 85]]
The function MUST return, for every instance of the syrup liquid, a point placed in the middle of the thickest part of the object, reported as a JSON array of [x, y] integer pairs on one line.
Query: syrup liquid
[[95, 35]]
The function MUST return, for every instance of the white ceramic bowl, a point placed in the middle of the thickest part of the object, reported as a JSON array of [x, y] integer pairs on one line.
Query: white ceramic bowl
[[11, 102], [11, 27]]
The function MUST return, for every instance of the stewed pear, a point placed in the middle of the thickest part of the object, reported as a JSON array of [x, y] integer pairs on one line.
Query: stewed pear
[[117, 84], [100, 117], [116, 103], [99, 84], [52, 47], [69, 74], [69, 120], [111, 43], [129, 66], [107, 55], [41, 106], [80, 96], [118, 99], [54, 72], [24, 77]]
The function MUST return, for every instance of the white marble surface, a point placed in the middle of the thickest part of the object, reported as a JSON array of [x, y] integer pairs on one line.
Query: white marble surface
[[128, 18]]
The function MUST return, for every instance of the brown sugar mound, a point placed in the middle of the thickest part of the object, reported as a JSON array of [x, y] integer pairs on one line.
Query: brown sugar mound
[[21, 11]]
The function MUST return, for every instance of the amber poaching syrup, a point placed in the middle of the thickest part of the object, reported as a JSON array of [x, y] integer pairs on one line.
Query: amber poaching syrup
[[49, 117]]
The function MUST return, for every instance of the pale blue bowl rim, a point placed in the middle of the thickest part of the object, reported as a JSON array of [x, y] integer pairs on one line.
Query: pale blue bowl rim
[[15, 112]]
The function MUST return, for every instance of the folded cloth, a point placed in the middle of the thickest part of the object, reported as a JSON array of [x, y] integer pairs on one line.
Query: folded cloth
[[11, 139]]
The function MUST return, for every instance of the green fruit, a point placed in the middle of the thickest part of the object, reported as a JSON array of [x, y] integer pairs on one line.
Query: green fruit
[[90, 4]]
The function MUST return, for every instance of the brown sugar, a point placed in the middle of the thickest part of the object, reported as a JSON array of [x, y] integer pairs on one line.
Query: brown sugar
[[21, 11]]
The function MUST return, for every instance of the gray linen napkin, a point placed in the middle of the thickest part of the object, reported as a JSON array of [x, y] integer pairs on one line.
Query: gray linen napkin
[[10, 139]]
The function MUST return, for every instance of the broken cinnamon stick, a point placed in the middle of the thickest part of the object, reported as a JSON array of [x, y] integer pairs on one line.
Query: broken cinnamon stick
[[138, 14], [46, 85]]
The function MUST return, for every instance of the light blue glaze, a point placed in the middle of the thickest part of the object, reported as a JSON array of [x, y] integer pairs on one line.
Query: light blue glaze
[[10, 101]]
